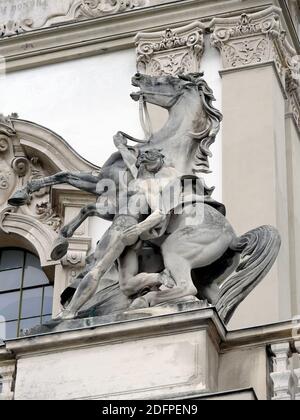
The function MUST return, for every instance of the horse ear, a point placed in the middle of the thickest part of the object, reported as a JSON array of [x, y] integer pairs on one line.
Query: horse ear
[[184, 77], [197, 75]]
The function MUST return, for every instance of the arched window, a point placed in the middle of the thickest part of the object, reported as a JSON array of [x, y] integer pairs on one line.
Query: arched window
[[25, 293]]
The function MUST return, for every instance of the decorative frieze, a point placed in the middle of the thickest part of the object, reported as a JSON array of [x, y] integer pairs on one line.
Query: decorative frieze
[[171, 52], [17, 17]]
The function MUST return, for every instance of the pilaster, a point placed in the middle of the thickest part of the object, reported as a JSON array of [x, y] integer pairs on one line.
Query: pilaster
[[255, 55]]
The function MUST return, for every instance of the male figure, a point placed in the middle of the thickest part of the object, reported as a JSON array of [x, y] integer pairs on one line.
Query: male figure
[[143, 197]]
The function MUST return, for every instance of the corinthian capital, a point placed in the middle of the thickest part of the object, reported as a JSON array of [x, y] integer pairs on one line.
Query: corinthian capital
[[172, 51], [249, 39]]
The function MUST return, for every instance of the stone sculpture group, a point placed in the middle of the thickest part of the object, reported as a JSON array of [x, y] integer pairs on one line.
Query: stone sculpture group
[[169, 240]]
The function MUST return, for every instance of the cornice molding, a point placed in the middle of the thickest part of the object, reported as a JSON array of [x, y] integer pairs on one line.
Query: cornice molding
[[110, 32]]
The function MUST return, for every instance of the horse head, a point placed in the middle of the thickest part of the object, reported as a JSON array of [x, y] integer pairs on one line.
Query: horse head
[[193, 121]]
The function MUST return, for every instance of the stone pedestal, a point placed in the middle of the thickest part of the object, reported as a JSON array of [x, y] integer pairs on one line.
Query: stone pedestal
[[159, 355]]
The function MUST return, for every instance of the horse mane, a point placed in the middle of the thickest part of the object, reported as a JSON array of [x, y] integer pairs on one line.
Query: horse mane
[[207, 137]]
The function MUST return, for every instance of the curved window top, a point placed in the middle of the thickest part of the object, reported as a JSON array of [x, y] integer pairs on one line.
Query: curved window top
[[25, 293]]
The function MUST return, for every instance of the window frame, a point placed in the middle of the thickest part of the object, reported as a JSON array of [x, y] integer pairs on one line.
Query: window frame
[[23, 288]]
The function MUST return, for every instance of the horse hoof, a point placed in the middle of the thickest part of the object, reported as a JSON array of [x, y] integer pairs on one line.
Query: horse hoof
[[64, 316], [139, 303], [60, 249], [20, 198]]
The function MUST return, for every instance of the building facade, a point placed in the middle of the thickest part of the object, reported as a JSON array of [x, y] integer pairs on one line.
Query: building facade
[[65, 71]]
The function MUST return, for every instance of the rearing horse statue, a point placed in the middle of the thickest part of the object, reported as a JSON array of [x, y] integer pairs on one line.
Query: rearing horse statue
[[200, 250]]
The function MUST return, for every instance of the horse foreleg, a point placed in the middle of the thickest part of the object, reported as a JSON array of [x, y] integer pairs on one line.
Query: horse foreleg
[[89, 211], [84, 181], [61, 245]]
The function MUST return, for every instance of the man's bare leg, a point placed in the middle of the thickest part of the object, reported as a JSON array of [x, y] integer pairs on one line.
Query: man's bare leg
[[110, 248]]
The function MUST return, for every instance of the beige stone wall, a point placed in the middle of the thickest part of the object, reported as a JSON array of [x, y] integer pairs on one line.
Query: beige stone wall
[[293, 159], [254, 177]]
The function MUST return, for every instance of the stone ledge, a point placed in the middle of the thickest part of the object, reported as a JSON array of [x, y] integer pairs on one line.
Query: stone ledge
[[235, 395], [120, 328]]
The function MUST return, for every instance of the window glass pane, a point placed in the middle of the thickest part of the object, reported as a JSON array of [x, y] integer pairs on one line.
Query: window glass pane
[[27, 324], [32, 302], [11, 330], [11, 259], [34, 275], [9, 305], [10, 280], [48, 299]]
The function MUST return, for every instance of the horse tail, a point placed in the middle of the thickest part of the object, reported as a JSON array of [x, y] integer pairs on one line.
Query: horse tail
[[259, 249]]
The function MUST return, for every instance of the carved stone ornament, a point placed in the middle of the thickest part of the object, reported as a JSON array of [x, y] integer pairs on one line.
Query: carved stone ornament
[[171, 52], [14, 166], [253, 39], [293, 83], [6, 126], [249, 39], [18, 17], [14, 28], [96, 8]]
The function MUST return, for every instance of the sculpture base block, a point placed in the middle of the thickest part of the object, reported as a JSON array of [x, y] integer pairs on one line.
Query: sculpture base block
[[96, 321], [162, 355]]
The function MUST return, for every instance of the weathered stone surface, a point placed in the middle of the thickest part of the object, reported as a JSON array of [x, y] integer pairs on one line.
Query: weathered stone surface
[[121, 316], [160, 356], [18, 16]]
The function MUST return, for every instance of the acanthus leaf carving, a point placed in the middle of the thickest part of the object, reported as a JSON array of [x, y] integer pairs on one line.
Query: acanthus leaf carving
[[171, 52], [247, 39]]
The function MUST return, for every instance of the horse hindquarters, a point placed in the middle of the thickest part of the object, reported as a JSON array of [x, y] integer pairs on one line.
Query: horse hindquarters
[[193, 245], [200, 237]]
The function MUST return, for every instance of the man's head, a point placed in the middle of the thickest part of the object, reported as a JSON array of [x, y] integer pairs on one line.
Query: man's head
[[152, 160]]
